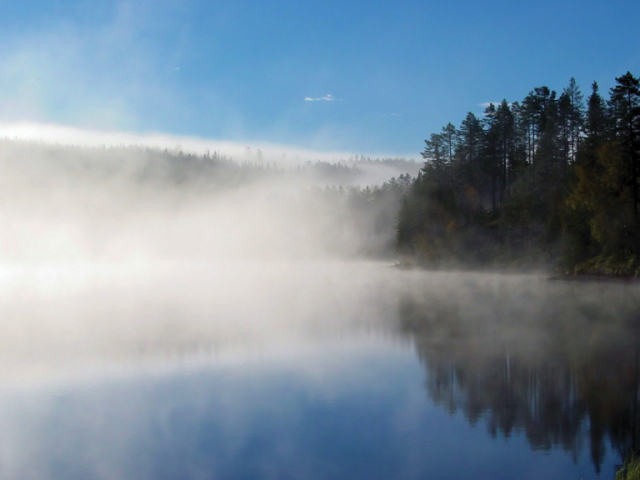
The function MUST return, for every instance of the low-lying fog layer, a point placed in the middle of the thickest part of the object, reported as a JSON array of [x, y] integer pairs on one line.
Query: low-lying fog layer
[[69, 204], [128, 252], [65, 316], [121, 255], [133, 369], [129, 261]]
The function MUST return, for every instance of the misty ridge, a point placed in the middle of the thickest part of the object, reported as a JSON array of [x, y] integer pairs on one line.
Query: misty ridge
[[72, 203]]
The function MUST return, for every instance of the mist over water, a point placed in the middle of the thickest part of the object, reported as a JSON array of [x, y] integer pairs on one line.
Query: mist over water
[[128, 252], [215, 321]]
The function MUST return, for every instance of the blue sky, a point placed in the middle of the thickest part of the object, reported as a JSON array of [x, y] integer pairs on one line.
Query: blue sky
[[385, 74]]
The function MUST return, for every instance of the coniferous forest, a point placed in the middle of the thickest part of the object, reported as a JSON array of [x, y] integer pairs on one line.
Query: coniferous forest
[[548, 181]]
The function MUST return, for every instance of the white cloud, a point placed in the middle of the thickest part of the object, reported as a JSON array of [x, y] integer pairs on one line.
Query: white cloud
[[326, 98]]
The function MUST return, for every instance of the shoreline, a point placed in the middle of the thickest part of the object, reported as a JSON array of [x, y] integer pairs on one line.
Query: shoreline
[[558, 277], [586, 277]]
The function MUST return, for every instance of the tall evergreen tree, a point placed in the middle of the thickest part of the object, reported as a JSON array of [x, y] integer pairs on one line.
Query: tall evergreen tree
[[468, 151], [435, 151], [506, 127], [535, 111], [625, 99], [490, 160], [575, 116], [596, 123], [499, 151], [449, 136]]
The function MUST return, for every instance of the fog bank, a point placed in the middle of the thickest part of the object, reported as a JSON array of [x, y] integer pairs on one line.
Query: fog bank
[[80, 204]]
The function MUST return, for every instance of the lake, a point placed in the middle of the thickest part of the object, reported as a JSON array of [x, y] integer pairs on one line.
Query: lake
[[313, 370]]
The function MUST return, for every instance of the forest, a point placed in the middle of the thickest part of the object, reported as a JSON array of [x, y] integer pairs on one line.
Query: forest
[[551, 181]]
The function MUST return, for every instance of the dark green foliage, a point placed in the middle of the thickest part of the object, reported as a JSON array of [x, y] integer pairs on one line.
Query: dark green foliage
[[539, 182]]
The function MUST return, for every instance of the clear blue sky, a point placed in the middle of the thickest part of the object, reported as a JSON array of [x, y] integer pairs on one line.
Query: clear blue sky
[[384, 74]]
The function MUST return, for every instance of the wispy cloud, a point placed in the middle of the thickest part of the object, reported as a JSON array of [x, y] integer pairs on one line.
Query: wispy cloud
[[326, 98], [391, 114]]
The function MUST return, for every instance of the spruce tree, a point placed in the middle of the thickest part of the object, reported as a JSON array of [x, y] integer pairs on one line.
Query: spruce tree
[[625, 100]]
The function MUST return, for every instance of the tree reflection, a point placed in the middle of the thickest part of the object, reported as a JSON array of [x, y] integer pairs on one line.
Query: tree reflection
[[559, 362]]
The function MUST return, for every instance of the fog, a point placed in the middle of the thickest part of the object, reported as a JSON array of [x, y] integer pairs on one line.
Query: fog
[[134, 370], [260, 153], [132, 253], [166, 314], [79, 204], [174, 306]]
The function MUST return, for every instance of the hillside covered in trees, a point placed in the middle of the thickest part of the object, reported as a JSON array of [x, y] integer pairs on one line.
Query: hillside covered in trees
[[550, 180]]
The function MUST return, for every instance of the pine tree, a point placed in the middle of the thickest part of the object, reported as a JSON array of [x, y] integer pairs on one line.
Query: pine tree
[[596, 126], [435, 151], [575, 116], [449, 137], [491, 154], [468, 150], [625, 100]]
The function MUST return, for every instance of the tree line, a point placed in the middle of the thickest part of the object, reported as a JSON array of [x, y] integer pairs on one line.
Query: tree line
[[550, 179]]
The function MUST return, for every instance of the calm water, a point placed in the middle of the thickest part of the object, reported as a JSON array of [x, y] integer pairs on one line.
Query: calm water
[[313, 371]]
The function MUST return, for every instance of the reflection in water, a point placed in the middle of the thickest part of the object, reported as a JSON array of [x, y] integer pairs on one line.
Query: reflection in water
[[276, 370], [559, 362], [56, 317]]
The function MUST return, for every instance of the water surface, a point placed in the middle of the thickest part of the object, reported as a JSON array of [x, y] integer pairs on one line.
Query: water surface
[[312, 371]]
